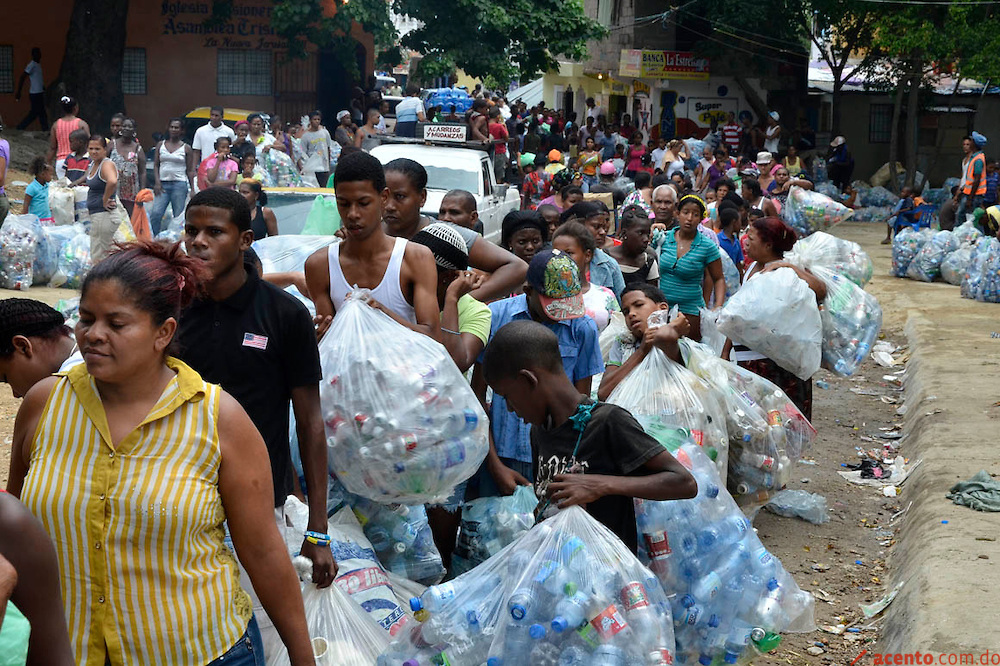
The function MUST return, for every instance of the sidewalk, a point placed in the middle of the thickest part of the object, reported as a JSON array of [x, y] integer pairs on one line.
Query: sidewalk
[[951, 569]]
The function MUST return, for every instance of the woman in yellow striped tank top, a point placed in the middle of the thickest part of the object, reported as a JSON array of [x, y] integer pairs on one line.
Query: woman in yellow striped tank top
[[133, 463]]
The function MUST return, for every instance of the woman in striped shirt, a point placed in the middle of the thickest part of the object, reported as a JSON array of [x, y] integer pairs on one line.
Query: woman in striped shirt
[[133, 464]]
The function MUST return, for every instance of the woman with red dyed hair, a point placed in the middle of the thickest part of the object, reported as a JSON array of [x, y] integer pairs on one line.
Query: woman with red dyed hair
[[768, 239], [134, 464]]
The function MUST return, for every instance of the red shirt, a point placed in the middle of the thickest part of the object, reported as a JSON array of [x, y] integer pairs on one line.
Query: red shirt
[[731, 135], [498, 131]]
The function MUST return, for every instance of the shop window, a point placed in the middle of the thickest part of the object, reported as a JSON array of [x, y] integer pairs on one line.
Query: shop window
[[134, 71], [604, 8], [244, 72], [880, 123], [6, 68]]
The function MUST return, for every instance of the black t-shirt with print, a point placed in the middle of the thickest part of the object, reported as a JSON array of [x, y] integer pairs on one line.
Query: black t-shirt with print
[[613, 443]]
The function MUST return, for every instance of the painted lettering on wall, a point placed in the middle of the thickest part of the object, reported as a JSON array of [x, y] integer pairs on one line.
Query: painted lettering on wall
[[248, 27]]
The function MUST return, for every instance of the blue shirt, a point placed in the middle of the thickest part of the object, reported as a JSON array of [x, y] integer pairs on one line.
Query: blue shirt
[[581, 355], [731, 246], [39, 199], [605, 271]]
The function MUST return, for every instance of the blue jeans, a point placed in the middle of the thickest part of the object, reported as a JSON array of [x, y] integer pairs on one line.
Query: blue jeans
[[248, 650], [174, 195]]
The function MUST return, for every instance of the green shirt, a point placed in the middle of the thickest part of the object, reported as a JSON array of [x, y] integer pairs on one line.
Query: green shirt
[[681, 279], [14, 637], [474, 317]]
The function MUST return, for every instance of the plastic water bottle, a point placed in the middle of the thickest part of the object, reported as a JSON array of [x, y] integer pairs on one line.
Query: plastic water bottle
[[574, 655], [709, 586], [570, 612], [609, 655]]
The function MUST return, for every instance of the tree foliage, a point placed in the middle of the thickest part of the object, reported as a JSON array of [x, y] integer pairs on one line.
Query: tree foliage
[[504, 41]]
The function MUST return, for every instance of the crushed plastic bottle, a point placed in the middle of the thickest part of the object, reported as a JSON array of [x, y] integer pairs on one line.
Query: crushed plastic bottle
[[802, 504]]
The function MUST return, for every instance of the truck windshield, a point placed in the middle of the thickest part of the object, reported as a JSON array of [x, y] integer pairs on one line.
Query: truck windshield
[[443, 178]]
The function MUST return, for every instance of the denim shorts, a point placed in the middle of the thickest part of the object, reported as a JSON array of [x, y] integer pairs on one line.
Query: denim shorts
[[248, 650]]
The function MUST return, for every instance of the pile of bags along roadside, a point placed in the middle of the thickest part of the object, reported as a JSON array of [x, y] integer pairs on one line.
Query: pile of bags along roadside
[[404, 428], [56, 252], [963, 257]]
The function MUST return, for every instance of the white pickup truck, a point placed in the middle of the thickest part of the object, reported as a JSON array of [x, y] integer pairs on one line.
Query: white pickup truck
[[458, 168]]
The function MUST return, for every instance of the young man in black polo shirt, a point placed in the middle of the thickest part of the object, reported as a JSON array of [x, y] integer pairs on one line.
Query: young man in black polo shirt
[[259, 344]]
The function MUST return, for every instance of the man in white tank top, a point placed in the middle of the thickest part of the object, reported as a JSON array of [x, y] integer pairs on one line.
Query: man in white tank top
[[402, 276]]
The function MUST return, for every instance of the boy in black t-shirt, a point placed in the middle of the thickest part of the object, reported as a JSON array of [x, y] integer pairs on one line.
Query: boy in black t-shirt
[[584, 453]]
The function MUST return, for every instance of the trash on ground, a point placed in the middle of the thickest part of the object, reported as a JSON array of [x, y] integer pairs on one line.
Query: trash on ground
[[981, 492], [873, 609]]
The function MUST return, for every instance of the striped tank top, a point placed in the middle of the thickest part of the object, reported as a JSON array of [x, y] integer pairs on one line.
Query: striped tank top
[[63, 128], [138, 528]]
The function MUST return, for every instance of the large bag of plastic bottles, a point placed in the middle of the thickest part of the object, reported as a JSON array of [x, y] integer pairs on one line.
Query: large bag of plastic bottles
[[877, 196], [402, 539], [171, 231], [852, 319], [972, 279], [285, 253], [838, 254], [279, 169], [673, 404], [820, 171], [360, 575], [710, 335], [74, 262], [489, 524], [730, 274], [871, 214], [402, 423], [927, 264], [566, 592], [934, 195], [828, 189], [342, 633], [729, 596], [767, 432], [967, 234], [989, 279], [62, 202], [52, 241], [955, 264], [18, 244], [905, 246], [775, 314], [806, 211]]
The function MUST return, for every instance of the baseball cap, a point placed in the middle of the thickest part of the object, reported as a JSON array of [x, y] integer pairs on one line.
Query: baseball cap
[[775, 116], [555, 156], [341, 114], [556, 278], [608, 168], [838, 141]]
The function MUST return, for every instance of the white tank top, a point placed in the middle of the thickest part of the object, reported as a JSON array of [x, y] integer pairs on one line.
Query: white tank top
[[741, 353], [388, 291], [173, 165]]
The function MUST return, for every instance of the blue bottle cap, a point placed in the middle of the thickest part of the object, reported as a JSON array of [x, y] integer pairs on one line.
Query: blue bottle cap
[[494, 661], [730, 657], [772, 584], [559, 624], [416, 604], [687, 601], [517, 611], [705, 659], [536, 631]]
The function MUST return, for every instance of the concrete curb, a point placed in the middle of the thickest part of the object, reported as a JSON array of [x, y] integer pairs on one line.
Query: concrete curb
[[948, 600]]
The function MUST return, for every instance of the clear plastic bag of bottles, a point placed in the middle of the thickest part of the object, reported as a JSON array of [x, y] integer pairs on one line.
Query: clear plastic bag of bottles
[[877, 196], [172, 231], [972, 281], [807, 212], [74, 262], [52, 241], [566, 592], [839, 255], [852, 319], [342, 633], [926, 266], [285, 253], [828, 189], [775, 314], [710, 334], [967, 234], [491, 523], [402, 423], [803, 504], [730, 274], [729, 595], [989, 277], [18, 244], [767, 432], [402, 539], [905, 246], [672, 404], [955, 264]]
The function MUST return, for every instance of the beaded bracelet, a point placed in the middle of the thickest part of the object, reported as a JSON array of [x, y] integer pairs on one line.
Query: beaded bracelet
[[317, 538]]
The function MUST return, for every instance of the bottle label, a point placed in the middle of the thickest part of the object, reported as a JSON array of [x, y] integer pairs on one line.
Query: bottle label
[[691, 615], [698, 436], [657, 545], [609, 622], [634, 596], [774, 417], [661, 657]]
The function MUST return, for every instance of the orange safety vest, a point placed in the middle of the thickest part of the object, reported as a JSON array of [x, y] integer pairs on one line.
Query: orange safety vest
[[970, 177]]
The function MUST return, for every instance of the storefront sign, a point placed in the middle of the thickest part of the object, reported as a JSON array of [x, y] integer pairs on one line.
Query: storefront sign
[[662, 65], [641, 88], [630, 63], [247, 27], [617, 88], [703, 110]]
